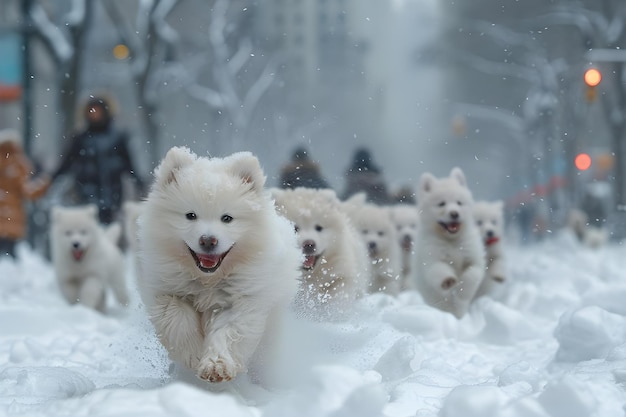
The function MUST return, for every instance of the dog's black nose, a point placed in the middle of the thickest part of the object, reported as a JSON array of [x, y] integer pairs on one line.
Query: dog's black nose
[[490, 233], [454, 214], [75, 245], [208, 242], [371, 245], [308, 247]]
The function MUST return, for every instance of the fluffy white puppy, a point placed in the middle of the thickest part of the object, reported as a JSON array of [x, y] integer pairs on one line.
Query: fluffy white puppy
[[85, 256], [218, 264], [489, 217], [450, 253], [405, 218], [334, 267], [378, 236]]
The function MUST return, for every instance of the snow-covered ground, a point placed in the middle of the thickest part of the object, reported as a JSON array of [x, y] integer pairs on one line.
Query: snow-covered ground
[[553, 345]]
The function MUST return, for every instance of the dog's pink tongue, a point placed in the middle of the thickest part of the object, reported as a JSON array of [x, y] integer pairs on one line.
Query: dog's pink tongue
[[78, 254], [453, 227], [208, 261], [309, 261]]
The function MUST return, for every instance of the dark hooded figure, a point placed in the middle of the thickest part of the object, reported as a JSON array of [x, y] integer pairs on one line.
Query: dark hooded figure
[[302, 171], [364, 176], [98, 159]]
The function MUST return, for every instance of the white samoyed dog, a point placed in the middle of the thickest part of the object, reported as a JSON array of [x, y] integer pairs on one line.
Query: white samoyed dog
[[450, 253], [334, 267], [489, 217], [589, 235], [405, 218], [219, 266], [85, 256], [378, 235]]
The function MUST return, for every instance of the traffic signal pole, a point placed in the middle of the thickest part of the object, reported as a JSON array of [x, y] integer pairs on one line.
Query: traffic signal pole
[[617, 127]]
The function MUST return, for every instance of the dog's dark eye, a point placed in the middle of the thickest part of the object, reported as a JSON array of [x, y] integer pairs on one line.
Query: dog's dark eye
[[459, 203], [68, 233], [365, 231], [296, 228], [479, 222], [381, 233], [226, 218], [443, 203], [318, 228], [191, 216]]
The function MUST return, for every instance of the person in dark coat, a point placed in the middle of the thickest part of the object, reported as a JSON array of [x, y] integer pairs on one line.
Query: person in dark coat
[[302, 171], [364, 175], [97, 159]]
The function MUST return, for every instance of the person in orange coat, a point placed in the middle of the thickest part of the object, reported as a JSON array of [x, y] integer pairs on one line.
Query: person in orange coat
[[16, 187]]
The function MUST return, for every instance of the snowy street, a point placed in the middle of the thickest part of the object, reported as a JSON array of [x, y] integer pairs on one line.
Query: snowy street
[[554, 344]]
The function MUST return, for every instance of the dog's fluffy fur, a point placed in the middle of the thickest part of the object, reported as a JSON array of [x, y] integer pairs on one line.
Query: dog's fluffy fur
[[334, 267], [489, 217], [378, 236], [86, 258], [450, 253], [589, 235], [219, 266], [405, 218]]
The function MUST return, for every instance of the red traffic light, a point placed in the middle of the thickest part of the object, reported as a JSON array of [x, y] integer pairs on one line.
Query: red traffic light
[[592, 77]]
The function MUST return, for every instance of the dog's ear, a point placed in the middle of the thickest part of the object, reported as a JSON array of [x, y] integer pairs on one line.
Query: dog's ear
[[458, 175], [357, 199], [499, 204], [92, 210], [176, 158], [56, 213], [426, 182], [330, 196], [247, 167], [277, 194]]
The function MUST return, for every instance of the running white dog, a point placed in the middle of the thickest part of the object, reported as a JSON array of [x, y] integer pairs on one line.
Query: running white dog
[[335, 263], [450, 253], [405, 217], [86, 257], [489, 217], [589, 235], [218, 264], [378, 235]]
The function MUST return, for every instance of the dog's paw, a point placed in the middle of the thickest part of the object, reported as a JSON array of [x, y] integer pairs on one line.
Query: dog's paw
[[218, 369], [448, 283]]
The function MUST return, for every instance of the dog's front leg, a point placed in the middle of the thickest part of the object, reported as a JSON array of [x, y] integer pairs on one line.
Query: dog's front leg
[[471, 278], [177, 325], [497, 271], [232, 336], [92, 293]]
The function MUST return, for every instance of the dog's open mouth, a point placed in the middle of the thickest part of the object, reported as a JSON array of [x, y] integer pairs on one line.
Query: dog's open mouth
[[310, 261], [451, 227], [491, 240], [78, 253], [208, 262], [407, 243]]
